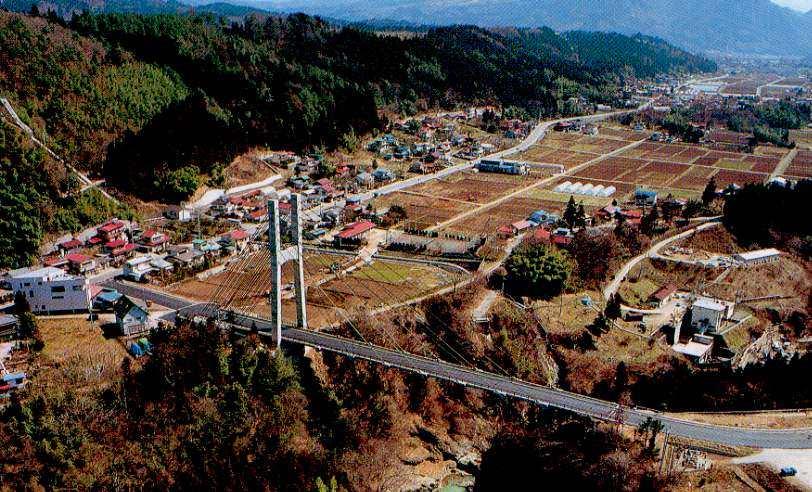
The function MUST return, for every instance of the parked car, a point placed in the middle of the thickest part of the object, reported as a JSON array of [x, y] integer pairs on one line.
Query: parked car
[[788, 471]]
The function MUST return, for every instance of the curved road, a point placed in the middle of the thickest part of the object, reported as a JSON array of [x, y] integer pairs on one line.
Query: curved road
[[614, 285], [542, 395]]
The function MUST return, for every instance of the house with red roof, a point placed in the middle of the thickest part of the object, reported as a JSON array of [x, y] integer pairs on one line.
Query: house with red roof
[[125, 251], [81, 264], [109, 246], [111, 230], [153, 241], [521, 226], [236, 240], [55, 261], [541, 235], [663, 296], [258, 215], [70, 246], [504, 231]]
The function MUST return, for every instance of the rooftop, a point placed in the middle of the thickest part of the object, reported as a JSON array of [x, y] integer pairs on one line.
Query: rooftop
[[710, 303], [45, 273], [693, 348], [758, 254], [355, 229]]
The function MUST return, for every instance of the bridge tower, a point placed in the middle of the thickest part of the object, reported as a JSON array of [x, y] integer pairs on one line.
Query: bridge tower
[[281, 256]]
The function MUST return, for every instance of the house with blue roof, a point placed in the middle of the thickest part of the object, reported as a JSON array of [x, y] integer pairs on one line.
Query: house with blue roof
[[383, 175], [644, 197], [542, 217]]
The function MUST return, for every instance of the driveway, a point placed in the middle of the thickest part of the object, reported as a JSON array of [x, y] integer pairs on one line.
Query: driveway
[[800, 459]]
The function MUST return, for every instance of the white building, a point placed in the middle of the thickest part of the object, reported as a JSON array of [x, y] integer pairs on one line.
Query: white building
[[758, 257], [50, 289], [707, 313], [137, 268], [698, 348]]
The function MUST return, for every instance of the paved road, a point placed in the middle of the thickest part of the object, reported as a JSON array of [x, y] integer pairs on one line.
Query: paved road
[[614, 285], [542, 395]]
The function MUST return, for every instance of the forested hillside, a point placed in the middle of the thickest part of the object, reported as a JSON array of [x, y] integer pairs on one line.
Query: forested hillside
[[178, 92], [148, 101]]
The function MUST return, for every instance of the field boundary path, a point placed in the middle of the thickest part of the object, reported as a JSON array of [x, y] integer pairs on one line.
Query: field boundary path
[[784, 163]]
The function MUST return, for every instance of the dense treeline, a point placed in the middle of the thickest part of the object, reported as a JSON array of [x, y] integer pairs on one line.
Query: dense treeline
[[78, 95], [679, 386], [761, 214]]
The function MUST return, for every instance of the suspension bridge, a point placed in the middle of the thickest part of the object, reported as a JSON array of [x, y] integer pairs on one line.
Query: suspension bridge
[[250, 296]]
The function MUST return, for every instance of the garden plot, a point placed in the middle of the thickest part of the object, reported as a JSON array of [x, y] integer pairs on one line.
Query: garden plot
[[551, 155], [727, 177], [657, 173], [763, 164], [423, 211], [801, 165], [248, 283], [695, 179], [610, 168], [380, 284], [478, 188]]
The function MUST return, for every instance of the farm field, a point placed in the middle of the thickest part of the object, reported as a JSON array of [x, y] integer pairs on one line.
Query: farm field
[[610, 168], [727, 177], [801, 165], [682, 170], [423, 211], [246, 282], [549, 155], [695, 178], [372, 286], [513, 210], [366, 287], [475, 187], [574, 149]]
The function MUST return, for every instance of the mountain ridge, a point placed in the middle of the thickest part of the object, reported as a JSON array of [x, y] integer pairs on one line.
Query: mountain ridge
[[732, 26]]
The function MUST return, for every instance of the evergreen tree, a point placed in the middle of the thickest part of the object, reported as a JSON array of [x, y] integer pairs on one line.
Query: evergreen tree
[[570, 213], [580, 216], [709, 194], [649, 222], [612, 309]]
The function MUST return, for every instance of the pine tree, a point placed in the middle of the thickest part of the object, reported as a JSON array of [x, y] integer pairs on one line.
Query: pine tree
[[580, 216], [612, 309], [570, 213]]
